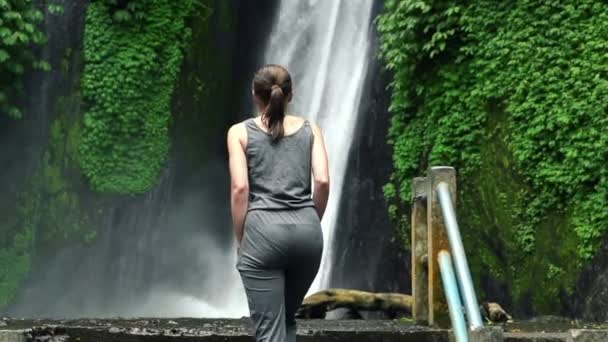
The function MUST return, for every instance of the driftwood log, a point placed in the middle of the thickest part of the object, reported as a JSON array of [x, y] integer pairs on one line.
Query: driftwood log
[[318, 304]]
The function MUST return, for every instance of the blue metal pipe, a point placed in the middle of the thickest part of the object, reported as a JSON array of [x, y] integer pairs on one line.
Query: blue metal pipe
[[460, 258], [450, 287]]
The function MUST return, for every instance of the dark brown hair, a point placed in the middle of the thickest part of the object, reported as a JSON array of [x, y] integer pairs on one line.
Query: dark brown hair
[[272, 86]]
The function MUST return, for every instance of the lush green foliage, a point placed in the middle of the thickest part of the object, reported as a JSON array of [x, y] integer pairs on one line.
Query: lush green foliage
[[132, 59], [513, 95], [55, 207], [18, 33], [48, 213], [15, 259]]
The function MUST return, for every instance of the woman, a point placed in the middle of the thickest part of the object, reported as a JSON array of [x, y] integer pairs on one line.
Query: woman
[[275, 218]]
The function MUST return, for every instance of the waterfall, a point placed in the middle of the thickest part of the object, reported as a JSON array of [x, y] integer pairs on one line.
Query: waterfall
[[325, 45]]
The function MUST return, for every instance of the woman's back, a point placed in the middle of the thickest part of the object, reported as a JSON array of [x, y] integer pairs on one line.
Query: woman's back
[[279, 171], [271, 159]]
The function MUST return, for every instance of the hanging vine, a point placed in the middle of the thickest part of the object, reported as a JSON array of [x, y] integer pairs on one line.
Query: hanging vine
[[19, 31], [133, 52]]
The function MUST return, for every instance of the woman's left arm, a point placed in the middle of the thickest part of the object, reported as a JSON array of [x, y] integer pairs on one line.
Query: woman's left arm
[[239, 182]]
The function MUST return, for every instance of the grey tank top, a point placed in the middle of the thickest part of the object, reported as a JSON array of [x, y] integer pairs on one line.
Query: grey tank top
[[279, 173]]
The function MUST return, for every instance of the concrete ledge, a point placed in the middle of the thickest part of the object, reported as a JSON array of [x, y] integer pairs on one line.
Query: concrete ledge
[[216, 330], [587, 335], [535, 337], [240, 330], [12, 336], [487, 334]]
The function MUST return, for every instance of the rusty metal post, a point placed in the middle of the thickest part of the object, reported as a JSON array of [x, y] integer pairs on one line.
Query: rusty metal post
[[420, 282], [437, 240]]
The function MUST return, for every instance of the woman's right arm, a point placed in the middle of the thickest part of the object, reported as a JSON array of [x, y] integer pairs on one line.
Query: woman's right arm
[[320, 171], [239, 199]]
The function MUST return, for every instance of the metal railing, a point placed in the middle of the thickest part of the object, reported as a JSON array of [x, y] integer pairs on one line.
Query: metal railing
[[460, 258], [451, 292], [437, 250]]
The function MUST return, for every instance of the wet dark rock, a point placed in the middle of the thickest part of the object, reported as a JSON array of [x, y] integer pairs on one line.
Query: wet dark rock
[[494, 312], [590, 297], [343, 313], [46, 333]]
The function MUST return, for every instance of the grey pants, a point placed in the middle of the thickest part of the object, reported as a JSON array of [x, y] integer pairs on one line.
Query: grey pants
[[278, 260]]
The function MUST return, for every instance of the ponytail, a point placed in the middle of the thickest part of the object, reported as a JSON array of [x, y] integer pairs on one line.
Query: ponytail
[[275, 113], [272, 87]]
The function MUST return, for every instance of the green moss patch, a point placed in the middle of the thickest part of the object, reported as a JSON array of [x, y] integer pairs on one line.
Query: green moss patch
[[132, 59]]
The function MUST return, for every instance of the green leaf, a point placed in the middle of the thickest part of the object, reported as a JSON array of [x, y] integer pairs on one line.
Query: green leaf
[[4, 56]]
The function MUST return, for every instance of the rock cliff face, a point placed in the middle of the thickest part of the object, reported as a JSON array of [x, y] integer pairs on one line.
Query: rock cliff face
[[590, 298]]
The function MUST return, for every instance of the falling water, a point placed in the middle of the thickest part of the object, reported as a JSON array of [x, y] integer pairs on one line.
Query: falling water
[[325, 46]]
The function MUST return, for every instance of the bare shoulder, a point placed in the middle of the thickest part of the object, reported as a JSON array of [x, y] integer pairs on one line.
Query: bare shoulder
[[237, 132], [295, 119], [317, 134], [298, 120]]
